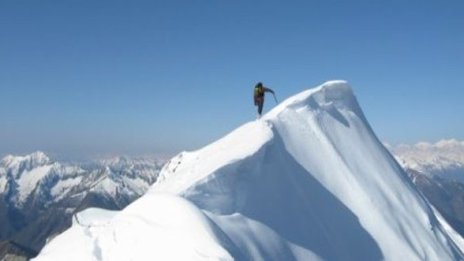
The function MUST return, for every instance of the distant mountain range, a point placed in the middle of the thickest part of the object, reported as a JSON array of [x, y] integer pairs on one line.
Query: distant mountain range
[[38, 196], [438, 171], [444, 158]]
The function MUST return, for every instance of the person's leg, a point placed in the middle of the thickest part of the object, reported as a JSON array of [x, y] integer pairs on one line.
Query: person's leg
[[260, 107]]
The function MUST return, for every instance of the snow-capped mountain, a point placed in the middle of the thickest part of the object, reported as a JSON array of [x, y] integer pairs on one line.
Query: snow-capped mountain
[[39, 196], [123, 178], [438, 172], [36, 177], [444, 158], [308, 181]]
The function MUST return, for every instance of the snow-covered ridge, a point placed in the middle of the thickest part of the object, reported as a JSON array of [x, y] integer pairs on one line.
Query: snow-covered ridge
[[230, 149], [309, 181], [331, 94]]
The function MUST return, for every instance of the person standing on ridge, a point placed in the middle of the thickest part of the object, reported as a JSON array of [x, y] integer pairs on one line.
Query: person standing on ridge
[[260, 89]]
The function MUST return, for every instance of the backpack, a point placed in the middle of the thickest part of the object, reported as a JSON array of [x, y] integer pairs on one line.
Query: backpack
[[259, 91], [258, 94]]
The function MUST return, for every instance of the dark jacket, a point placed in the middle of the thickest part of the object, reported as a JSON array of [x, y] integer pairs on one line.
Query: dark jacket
[[259, 94]]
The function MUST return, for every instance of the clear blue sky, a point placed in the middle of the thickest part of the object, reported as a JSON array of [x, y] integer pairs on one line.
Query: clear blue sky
[[88, 77]]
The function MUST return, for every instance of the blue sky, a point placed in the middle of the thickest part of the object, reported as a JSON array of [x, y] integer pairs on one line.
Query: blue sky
[[82, 78]]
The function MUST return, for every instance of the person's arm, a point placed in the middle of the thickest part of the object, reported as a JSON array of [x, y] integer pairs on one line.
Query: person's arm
[[268, 90]]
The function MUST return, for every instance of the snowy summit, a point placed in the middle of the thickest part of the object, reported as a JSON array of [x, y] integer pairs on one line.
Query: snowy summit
[[308, 181]]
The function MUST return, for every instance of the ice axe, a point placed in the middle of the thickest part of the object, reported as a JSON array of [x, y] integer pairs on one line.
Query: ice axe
[[273, 94]]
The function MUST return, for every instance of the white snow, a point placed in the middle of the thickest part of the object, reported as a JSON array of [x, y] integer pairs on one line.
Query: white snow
[[241, 143], [64, 186], [3, 180], [451, 232], [35, 159], [309, 181], [37, 173], [106, 185], [29, 180], [10, 160], [94, 217], [444, 158], [171, 227], [27, 172], [122, 175]]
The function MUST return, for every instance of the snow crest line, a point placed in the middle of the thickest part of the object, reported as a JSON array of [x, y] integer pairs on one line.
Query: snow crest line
[[308, 181]]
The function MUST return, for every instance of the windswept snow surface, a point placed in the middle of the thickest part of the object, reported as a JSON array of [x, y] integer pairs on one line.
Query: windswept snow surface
[[309, 181], [155, 227]]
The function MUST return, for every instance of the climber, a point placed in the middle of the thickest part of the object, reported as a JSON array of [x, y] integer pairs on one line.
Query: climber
[[259, 96]]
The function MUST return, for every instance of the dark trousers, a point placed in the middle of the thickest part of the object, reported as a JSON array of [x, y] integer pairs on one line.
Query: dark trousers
[[260, 106]]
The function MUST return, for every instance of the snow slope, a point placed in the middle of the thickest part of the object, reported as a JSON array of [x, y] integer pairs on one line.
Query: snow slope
[[309, 181]]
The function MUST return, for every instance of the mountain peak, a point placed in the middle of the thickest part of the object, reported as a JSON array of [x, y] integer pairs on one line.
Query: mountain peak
[[327, 96], [40, 158], [116, 161], [449, 143], [32, 160], [308, 181]]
